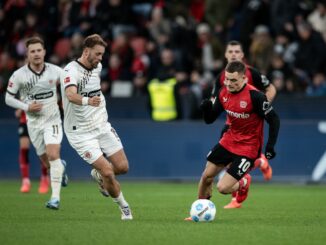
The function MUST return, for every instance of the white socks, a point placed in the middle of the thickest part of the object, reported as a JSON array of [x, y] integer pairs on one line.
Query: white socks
[[56, 171], [120, 200]]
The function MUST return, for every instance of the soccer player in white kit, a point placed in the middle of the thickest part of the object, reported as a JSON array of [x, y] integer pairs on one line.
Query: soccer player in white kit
[[86, 121], [36, 83]]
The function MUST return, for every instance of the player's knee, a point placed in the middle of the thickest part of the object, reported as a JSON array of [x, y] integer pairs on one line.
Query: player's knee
[[122, 168], [107, 173], [222, 188]]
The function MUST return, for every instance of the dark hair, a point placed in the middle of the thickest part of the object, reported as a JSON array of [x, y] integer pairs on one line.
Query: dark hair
[[236, 66], [34, 40], [93, 40], [234, 43]]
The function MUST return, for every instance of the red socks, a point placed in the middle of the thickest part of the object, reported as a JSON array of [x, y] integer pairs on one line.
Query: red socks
[[23, 162]]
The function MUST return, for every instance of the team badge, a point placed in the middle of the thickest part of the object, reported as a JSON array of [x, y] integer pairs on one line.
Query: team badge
[[87, 154], [225, 99], [51, 81], [243, 104], [10, 84]]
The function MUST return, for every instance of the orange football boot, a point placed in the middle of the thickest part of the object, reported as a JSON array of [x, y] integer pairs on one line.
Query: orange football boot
[[242, 193], [26, 186], [44, 185]]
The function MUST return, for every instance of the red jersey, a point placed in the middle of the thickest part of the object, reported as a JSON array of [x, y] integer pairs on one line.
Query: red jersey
[[245, 114], [253, 76]]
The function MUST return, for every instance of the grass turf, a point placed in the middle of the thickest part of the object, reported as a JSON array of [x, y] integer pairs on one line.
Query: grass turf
[[273, 214]]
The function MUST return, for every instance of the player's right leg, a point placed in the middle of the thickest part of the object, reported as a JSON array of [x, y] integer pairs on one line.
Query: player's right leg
[[205, 186]]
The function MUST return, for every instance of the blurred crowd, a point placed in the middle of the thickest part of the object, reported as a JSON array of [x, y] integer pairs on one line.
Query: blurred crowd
[[185, 39]]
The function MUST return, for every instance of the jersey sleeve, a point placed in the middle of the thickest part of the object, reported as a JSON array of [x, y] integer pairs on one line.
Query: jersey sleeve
[[216, 87], [13, 84], [264, 109], [260, 81], [213, 112], [69, 77]]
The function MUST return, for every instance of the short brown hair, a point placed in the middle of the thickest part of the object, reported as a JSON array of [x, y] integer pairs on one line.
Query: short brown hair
[[93, 40], [234, 43], [33, 40], [236, 66]]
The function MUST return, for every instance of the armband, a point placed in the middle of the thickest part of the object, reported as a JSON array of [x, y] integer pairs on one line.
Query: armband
[[85, 101]]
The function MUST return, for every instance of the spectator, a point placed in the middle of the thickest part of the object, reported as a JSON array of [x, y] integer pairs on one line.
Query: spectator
[[261, 48], [317, 18]]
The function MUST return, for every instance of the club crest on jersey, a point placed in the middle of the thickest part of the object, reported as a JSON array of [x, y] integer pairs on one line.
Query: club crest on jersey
[[10, 84], [87, 154], [51, 81], [243, 104], [67, 80], [225, 99]]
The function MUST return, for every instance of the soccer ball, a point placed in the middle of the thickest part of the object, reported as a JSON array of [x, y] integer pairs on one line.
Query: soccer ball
[[202, 210]]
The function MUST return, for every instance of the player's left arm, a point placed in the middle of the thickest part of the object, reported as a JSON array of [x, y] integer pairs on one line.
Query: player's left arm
[[264, 109], [262, 83]]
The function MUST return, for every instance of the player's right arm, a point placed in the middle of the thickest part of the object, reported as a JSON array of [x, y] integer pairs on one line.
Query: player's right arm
[[69, 83], [211, 108], [12, 101]]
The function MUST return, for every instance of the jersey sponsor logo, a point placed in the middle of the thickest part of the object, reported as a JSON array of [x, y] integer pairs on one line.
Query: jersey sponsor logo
[[92, 93], [243, 104], [66, 80], [237, 114], [40, 96]]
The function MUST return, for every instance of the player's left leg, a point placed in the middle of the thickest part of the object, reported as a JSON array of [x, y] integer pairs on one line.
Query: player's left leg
[[118, 163], [237, 174]]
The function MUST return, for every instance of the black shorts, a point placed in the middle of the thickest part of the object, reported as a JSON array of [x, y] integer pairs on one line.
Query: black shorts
[[22, 130], [240, 165]]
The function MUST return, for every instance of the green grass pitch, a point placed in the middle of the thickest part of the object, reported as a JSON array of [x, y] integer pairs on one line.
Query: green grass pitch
[[272, 214]]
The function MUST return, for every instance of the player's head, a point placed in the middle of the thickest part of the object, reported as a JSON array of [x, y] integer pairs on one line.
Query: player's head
[[35, 51], [93, 50], [234, 51], [235, 76]]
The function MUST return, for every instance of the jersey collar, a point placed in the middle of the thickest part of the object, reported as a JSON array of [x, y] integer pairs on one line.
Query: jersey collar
[[36, 73]]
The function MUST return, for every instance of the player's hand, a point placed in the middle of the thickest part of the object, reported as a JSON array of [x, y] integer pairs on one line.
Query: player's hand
[[18, 113], [35, 107], [270, 152], [206, 104], [94, 101]]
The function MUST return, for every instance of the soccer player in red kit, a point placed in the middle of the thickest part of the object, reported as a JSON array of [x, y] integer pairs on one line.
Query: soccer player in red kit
[[234, 52], [242, 143], [24, 146]]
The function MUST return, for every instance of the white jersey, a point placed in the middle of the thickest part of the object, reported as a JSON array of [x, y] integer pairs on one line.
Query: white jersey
[[88, 83], [40, 87]]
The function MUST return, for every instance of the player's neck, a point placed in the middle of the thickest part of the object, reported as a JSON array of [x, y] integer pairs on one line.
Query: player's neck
[[82, 60], [36, 68]]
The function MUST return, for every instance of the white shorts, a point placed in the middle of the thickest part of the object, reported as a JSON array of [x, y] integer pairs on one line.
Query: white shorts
[[92, 144], [49, 134]]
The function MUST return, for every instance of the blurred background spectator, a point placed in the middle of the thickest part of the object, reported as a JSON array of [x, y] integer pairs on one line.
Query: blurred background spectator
[[158, 39]]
